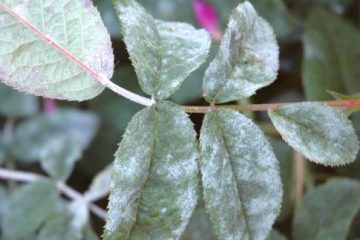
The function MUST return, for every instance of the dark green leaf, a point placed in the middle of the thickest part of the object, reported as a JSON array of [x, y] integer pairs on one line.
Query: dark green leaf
[[331, 56], [154, 181], [14, 104], [248, 58], [327, 211], [322, 134], [163, 54], [275, 235], [32, 135], [241, 179], [27, 209]]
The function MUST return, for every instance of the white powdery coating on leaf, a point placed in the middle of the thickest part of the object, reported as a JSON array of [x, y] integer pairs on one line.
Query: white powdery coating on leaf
[[323, 134], [154, 183], [248, 58], [76, 27], [236, 153], [163, 54]]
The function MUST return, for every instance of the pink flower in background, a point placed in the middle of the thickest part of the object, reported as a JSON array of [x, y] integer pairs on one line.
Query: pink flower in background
[[207, 18], [49, 105]]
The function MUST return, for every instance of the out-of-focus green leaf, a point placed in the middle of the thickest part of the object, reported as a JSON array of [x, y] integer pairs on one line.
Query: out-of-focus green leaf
[[58, 156], [248, 58], [284, 154], [14, 104], [32, 65], [3, 199], [275, 235], [80, 215], [27, 209], [327, 211], [331, 56], [155, 176], [2, 152], [109, 17], [322, 134], [89, 234], [58, 227], [240, 175], [100, 186], [302, 7], [165, 53], [32, 135]]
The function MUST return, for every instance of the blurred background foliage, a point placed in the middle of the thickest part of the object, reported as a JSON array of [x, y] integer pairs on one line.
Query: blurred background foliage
[[320, 50]]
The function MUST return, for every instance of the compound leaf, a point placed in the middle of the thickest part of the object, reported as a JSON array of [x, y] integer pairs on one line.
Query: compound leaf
[[163, 54], [240, 175], [14, 104], [322, 134], [327, 211], [33, 65], [248, 58], [27, 209], [154, 181]]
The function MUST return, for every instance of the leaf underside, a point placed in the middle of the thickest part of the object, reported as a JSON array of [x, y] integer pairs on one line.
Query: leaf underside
[[32, 65], [248, 58], [154, 181], [163, 53], [240, 175], [322, 134]]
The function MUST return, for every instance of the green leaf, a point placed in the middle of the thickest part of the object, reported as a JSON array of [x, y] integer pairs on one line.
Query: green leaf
[[3, 199], [58, 227], [240, 175], [27, 209], [163, 54], [154, 181], [58, 156], [199, 226], [14, 104], [322, 134], [275, 235], [32, 65], [32, 135], [248, 58], [343, 97], [327, 211], [331, 56], [100, 186], [109, 17]]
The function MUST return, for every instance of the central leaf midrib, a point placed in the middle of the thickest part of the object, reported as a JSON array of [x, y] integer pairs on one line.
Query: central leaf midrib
[[155, 121], [218, 124]]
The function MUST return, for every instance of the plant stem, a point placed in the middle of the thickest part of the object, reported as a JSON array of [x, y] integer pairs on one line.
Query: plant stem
[[66, 190], [265, 107], [299, 177], [101, 79]]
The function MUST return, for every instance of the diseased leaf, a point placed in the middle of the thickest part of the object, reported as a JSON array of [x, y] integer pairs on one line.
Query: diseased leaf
[[14, 104], [322, 134], [32, 135], [154, 181], [30, 64], [58, 156], [248, 58], [27, 209], [240, 175], [275, 235], [331, 56], [100, 186], [163, 54], [327, 211]]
